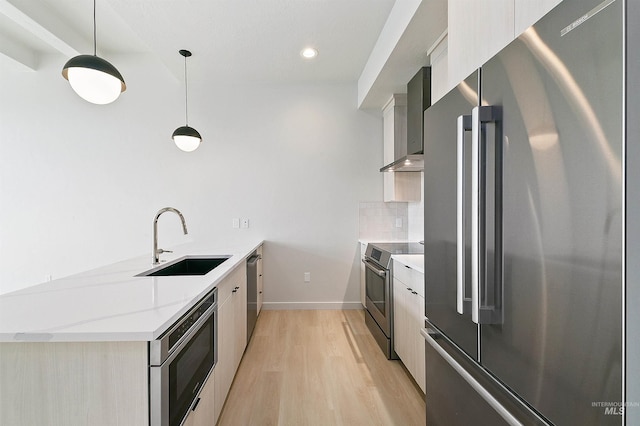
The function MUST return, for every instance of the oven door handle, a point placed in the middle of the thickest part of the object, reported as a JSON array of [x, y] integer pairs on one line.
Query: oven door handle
[[380, 272]]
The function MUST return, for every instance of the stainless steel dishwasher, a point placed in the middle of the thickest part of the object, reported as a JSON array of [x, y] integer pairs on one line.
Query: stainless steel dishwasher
[[252, 292]]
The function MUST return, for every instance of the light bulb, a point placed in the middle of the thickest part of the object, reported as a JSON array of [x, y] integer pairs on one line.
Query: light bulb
[[309, 52], [94, 86], [187, 143]]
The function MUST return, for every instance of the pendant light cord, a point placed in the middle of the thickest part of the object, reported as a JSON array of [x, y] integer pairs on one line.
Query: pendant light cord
[[186, 94], [94, 28]]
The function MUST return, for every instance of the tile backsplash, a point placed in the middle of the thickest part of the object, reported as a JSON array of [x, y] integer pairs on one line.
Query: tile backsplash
[[384, 221]]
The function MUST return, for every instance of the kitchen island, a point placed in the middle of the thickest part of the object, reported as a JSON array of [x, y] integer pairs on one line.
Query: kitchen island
[[75, 350]]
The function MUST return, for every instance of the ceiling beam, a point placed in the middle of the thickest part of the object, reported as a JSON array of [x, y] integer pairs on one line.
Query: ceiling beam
[[397, 22], [40, 21], [17, 56], [401, 49]]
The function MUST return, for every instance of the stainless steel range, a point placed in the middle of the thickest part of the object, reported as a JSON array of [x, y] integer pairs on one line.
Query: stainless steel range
[[379, 290]]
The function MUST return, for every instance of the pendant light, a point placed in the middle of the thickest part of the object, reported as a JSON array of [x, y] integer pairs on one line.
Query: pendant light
[[186, 138], [91, 77]]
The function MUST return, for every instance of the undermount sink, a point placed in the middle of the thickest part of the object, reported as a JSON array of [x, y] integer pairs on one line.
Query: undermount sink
[[187, 266]]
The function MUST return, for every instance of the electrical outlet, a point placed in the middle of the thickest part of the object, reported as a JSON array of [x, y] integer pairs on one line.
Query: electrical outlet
[[244, 224], [236, 223], [307, 277], [398, 222]]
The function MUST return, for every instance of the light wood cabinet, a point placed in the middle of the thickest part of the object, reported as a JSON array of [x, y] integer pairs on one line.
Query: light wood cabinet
[[107, 383], [232, 332], [239, 299], [74, 383], [405, 186], [408, 318], [204, 412], [478, 29], [226, 348], [528, 12], [439, 60]]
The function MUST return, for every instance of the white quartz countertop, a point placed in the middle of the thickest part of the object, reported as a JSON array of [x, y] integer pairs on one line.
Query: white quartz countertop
[[111, 303], [414, 261]]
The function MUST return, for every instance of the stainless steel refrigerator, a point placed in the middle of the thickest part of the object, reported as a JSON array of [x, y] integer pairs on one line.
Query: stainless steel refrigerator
[[530, 228]]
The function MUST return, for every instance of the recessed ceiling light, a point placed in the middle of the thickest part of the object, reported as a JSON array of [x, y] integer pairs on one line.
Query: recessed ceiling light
[[309, 52]]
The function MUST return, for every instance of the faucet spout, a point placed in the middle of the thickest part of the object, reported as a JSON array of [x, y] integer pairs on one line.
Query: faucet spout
[[156, 250]]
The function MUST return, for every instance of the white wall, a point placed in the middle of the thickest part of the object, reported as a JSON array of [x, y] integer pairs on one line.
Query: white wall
[[80, 184]]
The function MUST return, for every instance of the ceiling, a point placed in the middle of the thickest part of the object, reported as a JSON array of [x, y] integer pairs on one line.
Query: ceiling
[[231, 40]]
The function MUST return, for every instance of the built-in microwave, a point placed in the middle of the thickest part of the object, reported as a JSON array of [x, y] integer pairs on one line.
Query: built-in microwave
[[180, 362]]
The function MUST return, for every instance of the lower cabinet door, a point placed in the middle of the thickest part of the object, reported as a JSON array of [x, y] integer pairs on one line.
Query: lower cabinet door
[[401, 321], [420, 373], [226, 351], [408, 319], [239, 299], [204, 414]]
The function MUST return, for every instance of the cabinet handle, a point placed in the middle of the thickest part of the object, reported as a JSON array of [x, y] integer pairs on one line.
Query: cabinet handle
[[235, 290], [409, 289], [414, 292], [195, 404], [407, 266]]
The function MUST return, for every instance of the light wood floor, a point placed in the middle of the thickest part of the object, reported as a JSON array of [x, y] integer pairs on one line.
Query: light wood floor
[[319, 368]]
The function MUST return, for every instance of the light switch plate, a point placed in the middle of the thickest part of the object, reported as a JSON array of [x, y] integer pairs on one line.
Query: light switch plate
[[236, 223]]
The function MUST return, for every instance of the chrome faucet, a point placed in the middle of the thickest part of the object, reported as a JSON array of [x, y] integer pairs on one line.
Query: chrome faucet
[[156, 251]]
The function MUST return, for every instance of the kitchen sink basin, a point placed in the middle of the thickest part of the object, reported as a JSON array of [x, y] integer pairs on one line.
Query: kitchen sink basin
[[187, 266]]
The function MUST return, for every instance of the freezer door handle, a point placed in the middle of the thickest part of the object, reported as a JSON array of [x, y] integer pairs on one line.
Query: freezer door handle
[[463, 125], [486, 297], [430, 336]]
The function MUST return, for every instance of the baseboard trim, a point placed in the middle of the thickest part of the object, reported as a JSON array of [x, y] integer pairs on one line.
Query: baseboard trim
[[272, 306]]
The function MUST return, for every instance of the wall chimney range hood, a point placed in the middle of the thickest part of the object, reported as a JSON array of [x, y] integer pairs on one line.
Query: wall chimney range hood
[[409, 154], [408, 163]]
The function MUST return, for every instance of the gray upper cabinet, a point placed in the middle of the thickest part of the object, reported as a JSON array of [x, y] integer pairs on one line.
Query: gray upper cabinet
[[418, 99]]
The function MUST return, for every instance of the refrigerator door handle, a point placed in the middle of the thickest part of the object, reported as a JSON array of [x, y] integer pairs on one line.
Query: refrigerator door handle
[[463, 125], [430, 335], [483, 310]]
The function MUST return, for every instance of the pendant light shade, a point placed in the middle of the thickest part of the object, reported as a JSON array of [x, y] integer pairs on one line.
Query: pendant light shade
[[91, 77], [94, 79], [185, 137]]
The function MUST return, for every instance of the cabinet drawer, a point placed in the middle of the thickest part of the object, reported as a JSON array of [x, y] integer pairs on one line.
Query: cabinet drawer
[[237, 278], [409, 276]]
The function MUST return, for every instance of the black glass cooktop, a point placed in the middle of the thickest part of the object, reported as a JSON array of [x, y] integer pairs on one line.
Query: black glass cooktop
[[400, 248]]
